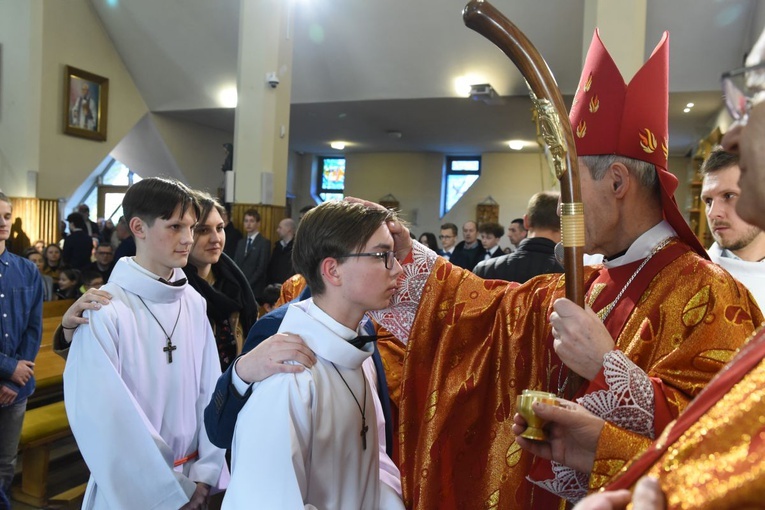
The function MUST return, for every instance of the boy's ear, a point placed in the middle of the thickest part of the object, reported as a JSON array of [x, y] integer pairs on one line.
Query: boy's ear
[[137, 227], [329, 271]]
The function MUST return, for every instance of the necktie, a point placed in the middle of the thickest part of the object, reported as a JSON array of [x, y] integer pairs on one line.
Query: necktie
[[360, 341], [487, 256], [249, 246]]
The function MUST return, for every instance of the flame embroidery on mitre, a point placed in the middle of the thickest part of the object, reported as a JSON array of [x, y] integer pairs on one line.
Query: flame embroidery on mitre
[[588, 84], [665, 148], [648, 141], [581, 129], [594, 104]]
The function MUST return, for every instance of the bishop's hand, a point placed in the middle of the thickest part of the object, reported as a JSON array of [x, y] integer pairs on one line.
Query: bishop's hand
[[199, 499], [572, 434], [580, 338], [402, 241], [648, 496]]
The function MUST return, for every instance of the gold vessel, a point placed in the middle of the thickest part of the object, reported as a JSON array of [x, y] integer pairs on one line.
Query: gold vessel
[[535, 423]]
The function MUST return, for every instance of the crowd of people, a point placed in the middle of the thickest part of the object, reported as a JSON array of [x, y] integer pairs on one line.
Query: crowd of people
[[390, 380]]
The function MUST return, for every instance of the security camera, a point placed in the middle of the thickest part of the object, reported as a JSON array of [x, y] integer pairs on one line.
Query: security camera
[[272, 80]]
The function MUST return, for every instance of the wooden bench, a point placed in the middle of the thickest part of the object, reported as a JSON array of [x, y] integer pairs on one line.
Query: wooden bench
[[42, 427]]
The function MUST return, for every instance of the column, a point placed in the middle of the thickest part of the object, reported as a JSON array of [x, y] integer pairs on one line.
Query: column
[[261, 135]]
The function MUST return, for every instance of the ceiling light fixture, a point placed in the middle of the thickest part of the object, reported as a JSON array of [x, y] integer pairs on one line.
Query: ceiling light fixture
[[463, 84], [690, 105], [516, 145], [337, 145], [686, 110]]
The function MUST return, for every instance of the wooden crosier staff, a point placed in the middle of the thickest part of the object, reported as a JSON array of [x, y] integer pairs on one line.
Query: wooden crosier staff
[[485, 19]]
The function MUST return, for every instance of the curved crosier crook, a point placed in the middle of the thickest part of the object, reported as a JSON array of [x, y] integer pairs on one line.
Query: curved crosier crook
[[485, 19]]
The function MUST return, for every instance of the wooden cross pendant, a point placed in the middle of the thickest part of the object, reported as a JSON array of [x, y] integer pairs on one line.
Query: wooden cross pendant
[[169, 350], [364, 430]]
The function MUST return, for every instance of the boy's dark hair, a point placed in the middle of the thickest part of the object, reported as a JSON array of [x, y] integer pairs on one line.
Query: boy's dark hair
[[450, 226], [157, 197], [253, 213], [718, 159], [271, 294], [493, 228], [89, 276], [74, 275], [77, 219], [333, 229], [542, 211]]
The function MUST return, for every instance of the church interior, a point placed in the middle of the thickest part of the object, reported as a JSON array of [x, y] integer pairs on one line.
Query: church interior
[[395, 93]]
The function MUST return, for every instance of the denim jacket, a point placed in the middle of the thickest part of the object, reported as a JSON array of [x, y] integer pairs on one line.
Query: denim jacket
[[21, 297]]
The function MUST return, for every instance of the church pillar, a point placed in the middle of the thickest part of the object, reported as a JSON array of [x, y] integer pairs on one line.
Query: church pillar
[[262, 116], [622, 25]]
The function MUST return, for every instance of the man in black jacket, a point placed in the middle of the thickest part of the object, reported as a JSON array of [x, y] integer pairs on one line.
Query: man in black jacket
[[535, 254], [280, 267], [468, 252]]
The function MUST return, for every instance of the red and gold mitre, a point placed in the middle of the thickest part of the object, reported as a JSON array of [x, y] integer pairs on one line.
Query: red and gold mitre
[[609, 116]]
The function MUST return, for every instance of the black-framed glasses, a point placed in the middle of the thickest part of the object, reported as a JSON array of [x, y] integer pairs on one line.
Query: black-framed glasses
[[742, 89], [386, 256]]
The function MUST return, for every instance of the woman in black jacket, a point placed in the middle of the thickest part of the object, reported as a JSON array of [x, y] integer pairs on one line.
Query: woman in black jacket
[[231, 306]]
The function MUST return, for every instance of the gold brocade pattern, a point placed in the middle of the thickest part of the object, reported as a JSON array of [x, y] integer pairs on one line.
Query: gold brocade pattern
[[719, 462], [501, 344]]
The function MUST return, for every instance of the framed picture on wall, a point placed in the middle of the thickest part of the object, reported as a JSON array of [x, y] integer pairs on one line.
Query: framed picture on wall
[[86, 101]]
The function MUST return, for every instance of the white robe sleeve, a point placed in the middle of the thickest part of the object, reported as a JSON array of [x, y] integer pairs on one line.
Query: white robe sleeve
[[210, 467], [128, 460], [272, 444]]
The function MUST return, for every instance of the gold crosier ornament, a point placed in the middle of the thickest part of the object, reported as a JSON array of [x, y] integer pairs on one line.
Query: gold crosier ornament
[[481, 16]]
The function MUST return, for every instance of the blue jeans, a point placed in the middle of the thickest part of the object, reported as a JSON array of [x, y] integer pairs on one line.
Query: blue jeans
[[11, 419]]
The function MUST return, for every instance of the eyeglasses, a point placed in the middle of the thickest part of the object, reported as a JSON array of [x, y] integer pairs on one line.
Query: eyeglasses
[[386, 256], [743, 89], [446, 237]]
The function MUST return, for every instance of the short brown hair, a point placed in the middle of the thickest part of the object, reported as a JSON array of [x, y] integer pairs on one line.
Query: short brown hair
[[157, 197], [253, 213], [333, 229], [543, 211], [492, 228], [718, 159]]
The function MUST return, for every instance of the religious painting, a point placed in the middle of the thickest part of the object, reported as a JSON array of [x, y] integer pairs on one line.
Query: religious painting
[[86, 101]]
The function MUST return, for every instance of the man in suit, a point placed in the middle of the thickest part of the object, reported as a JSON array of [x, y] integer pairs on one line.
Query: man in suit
[[490, 233], [536, 253], [469, 251], [448, 238], [252, 253], [280, 268]]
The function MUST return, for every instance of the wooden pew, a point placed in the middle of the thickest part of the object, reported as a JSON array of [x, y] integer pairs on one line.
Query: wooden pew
[[42, 427]]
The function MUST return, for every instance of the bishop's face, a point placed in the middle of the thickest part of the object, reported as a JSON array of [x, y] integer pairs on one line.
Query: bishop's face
[[599, 217]]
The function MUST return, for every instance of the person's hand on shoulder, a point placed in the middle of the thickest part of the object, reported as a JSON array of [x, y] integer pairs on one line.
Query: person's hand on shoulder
[[269, 358], [93, 299]]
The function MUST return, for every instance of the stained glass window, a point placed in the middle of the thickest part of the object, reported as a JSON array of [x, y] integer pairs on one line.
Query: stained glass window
[[331, 182]]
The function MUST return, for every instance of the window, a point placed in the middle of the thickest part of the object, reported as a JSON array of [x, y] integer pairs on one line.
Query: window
[[461, 172], [103, 191], [331, 178]]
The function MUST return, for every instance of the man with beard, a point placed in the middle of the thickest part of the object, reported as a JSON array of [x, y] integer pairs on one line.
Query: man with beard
[[739, 246]]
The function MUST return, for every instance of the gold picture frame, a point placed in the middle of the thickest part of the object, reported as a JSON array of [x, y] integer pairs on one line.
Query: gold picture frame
[[86, 102]]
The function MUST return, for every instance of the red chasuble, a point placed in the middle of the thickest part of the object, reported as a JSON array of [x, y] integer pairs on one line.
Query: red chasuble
[[476, 344]]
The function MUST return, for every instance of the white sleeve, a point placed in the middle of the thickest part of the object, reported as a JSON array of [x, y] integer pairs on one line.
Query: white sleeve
[[210, 467], [128, 460], [271, 447]]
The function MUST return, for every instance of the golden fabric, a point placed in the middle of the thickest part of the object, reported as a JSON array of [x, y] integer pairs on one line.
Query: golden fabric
[[291, 289], [476, 344]]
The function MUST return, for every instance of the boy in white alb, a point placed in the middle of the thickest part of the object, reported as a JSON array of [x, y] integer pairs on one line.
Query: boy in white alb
[[140, 374], [309, 440]]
